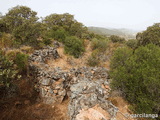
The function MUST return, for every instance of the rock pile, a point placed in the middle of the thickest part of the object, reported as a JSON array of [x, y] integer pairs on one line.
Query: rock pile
[[86, 87], [49, 83], [44, 54], [90, 89]]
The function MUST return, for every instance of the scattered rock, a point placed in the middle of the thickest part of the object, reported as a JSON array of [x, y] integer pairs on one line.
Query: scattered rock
[[45, 81], [44, 54], [56, 44], [86, 87]]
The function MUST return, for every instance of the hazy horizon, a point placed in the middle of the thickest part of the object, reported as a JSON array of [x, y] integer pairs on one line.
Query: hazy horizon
[[129, 14]]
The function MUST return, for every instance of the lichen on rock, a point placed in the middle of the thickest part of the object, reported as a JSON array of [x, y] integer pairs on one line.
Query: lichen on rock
[[86, 87]]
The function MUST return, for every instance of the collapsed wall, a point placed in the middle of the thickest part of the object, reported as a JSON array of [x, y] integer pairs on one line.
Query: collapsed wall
[[86, 87]]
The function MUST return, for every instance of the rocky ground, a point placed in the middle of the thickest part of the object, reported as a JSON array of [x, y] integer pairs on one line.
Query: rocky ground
[[64, 89], [86, 88]]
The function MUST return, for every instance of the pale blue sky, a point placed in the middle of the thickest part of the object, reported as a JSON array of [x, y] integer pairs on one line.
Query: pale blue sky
[[132, 14]]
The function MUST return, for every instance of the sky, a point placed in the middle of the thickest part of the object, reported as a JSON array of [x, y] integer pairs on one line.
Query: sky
[[130, 14]]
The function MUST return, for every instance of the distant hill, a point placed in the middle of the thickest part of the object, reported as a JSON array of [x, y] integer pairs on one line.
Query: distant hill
[[126, 33]]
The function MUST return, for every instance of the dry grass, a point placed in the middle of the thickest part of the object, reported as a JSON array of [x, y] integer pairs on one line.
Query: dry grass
[[12, 53], [61, 62], [27, 49], [66, 61]]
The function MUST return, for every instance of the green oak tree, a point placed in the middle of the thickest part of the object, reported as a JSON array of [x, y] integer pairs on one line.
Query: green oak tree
[[151, 35], [66, 21], [138, 77], [23, 24]]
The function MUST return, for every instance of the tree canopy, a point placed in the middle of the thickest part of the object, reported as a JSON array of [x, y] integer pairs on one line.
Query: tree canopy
[[23, 24], [65, 21], [151, 35], [138, 77]]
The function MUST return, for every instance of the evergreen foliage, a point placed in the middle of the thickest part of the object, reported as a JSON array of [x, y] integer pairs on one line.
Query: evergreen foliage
[[74, 46], [138, 77]]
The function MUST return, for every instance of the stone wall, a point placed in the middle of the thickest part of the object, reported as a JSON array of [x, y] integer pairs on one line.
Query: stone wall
[[85, 87], [44, 54]]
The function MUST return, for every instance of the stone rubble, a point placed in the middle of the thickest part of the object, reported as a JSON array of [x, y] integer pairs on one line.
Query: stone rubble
[[86, 87], [44, 54]]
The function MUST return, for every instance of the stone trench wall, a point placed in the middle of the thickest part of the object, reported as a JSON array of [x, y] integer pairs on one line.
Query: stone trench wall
[[85, 86]]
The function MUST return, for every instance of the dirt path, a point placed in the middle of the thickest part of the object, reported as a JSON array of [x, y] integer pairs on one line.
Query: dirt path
[[66, 62]]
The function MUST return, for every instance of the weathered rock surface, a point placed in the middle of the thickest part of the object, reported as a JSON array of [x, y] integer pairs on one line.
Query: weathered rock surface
[[44, 54], [86, 87], [89, 91]]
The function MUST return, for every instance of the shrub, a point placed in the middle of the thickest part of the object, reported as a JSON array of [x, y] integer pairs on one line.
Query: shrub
[[59, 34], [41, 45], [120, 56], [23, 24], [6, 40], [11, 54], [47, 41], [64, 22], [115, 38], [132, 43], [7, 71], [138, 77], [151, 35], [94, 59], [21, 60], [74, 46], [100, 44], [26, 49]]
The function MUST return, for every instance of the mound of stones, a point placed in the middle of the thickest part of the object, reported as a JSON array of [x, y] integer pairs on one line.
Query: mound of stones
[[44, 54], [85, 87], [90, 89]]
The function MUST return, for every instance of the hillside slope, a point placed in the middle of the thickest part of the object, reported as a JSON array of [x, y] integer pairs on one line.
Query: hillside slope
[[73, 75], [126, 33]]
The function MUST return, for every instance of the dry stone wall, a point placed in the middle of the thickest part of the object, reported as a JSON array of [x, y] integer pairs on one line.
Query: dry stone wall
[[86, 87], [44, 54]]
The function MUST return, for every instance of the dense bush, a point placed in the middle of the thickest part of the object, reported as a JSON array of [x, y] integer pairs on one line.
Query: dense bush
[[23, 24], [6, 40], [47, 41], [132, 43], [121, 55], [74, 46], [115, 38], [59, 34], [100, 44], [78, 29], [151, 35], [67, 22], [94, 59], [11, 54], [138, 77], [21, 60], [7, 71]]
